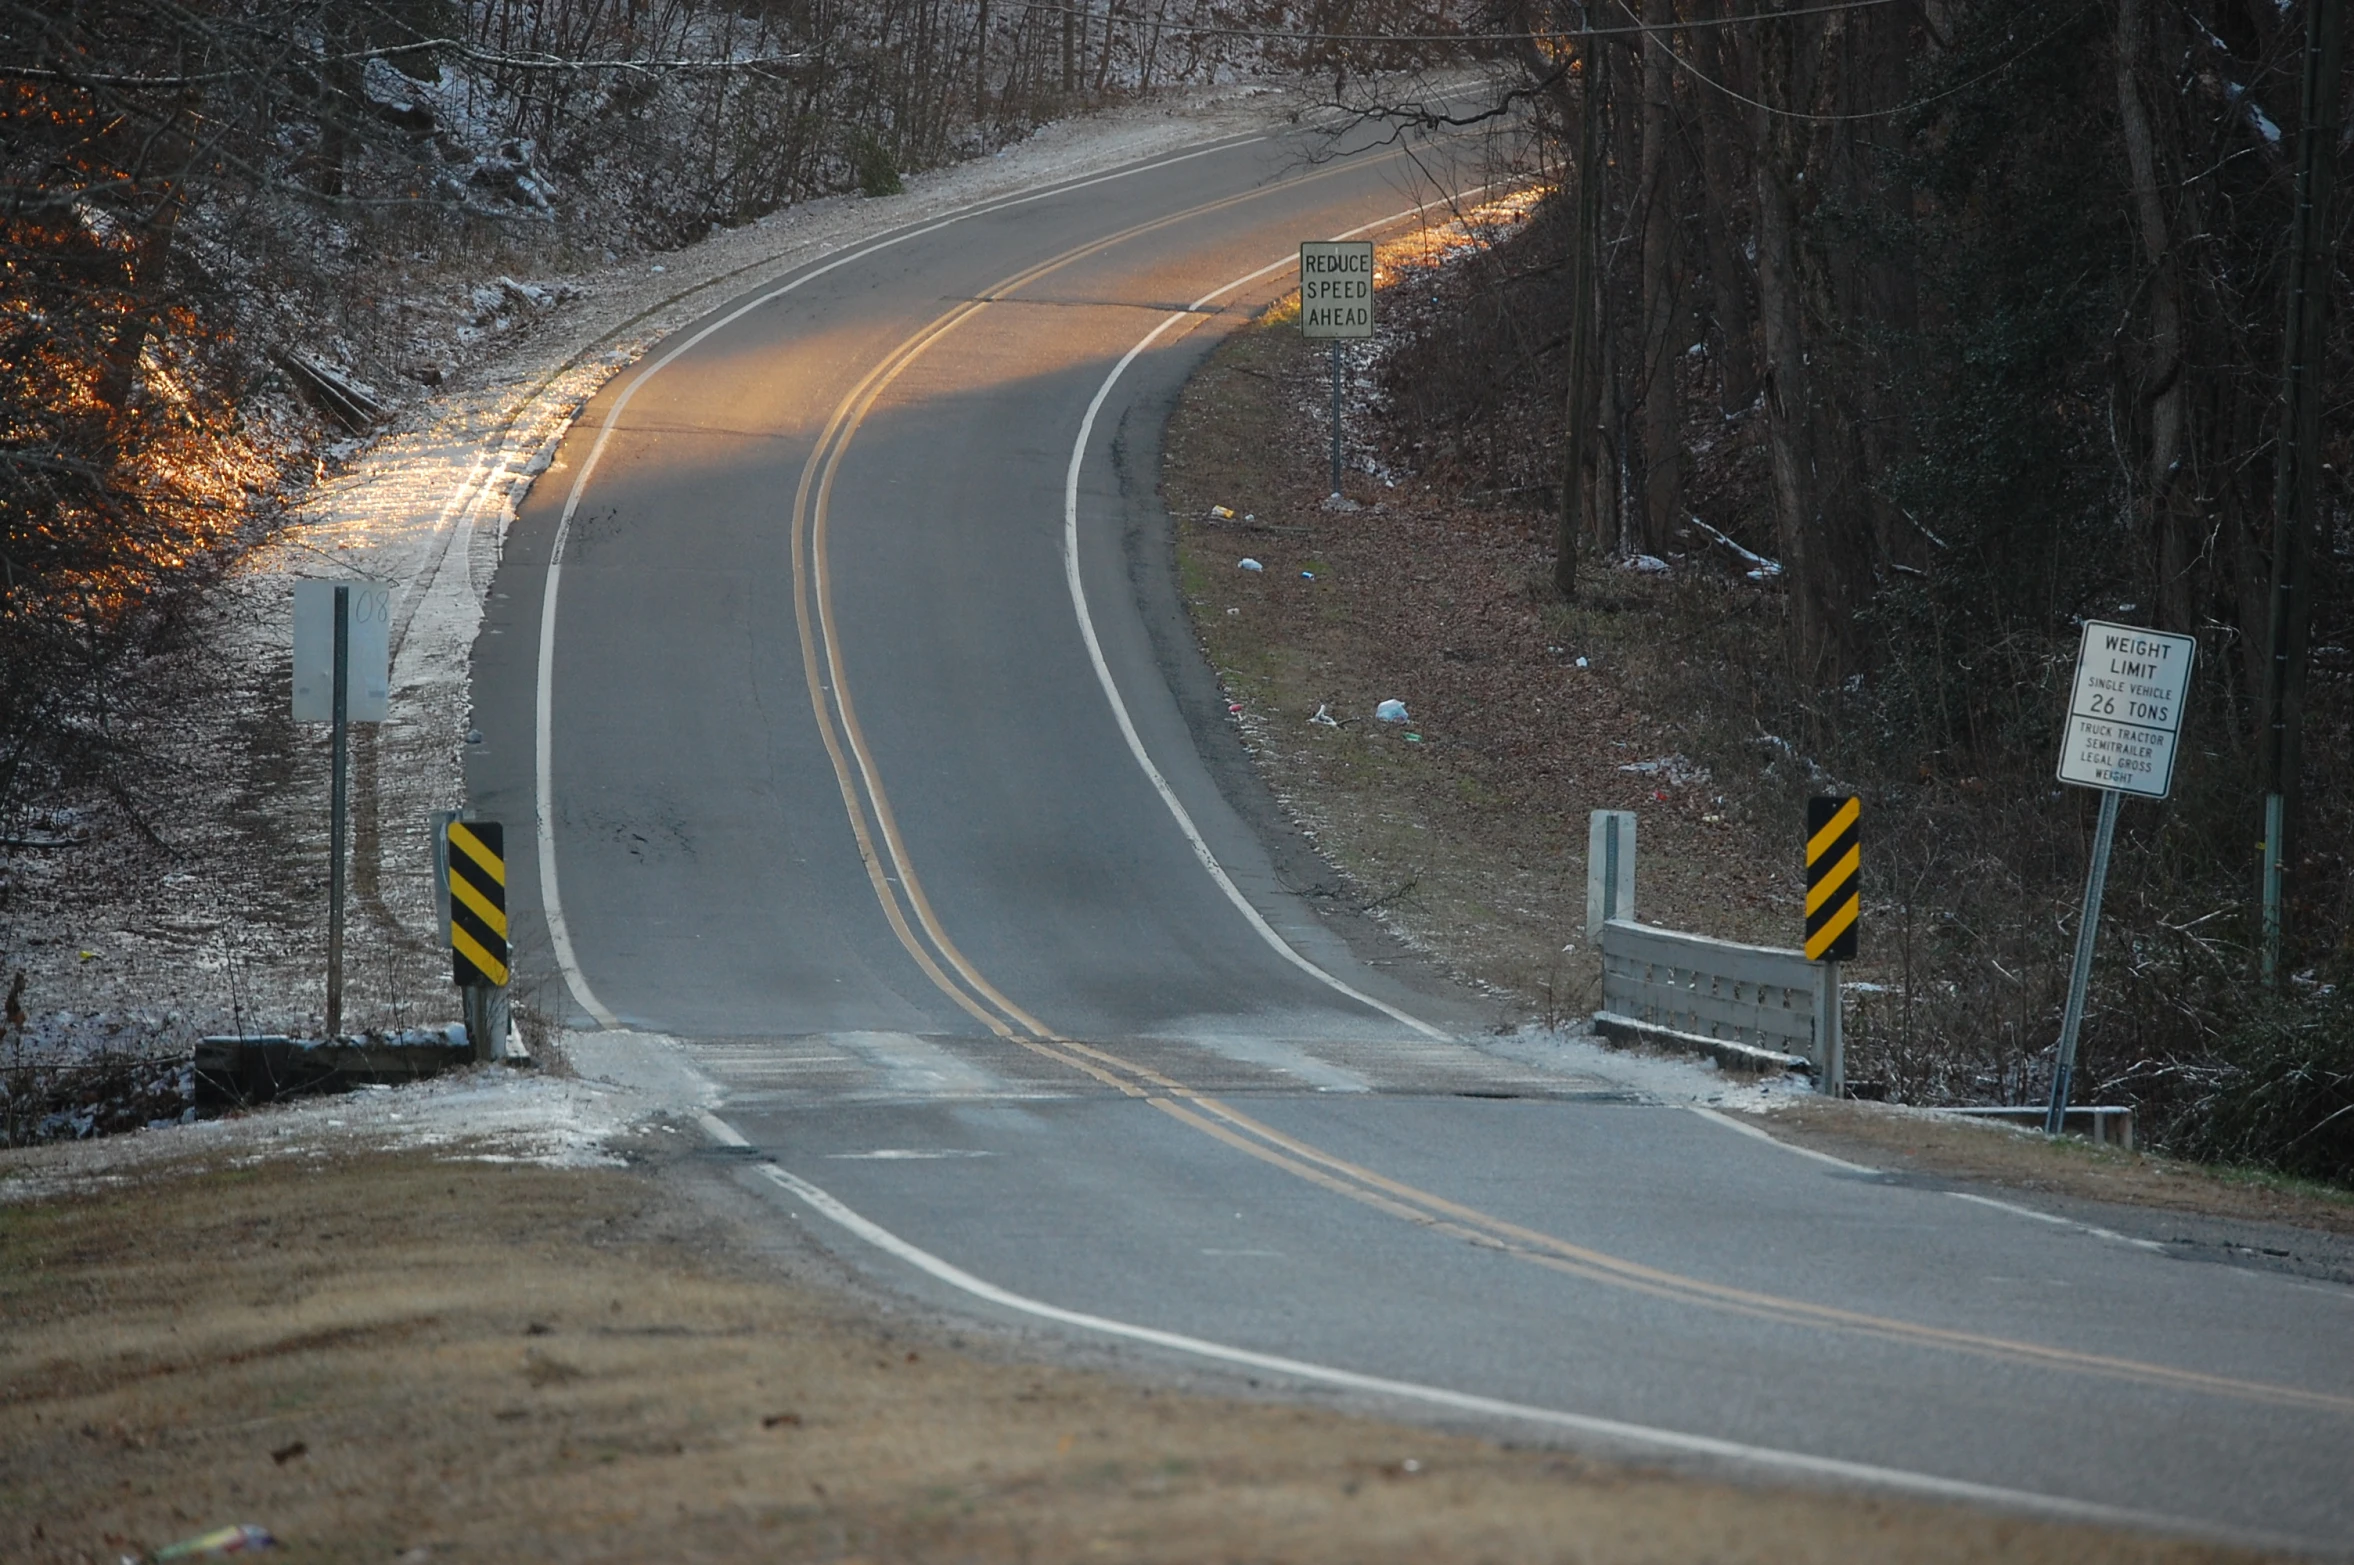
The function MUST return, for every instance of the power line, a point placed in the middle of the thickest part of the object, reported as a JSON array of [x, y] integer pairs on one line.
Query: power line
[[1697, 74], [466, 51], [1272, 35]]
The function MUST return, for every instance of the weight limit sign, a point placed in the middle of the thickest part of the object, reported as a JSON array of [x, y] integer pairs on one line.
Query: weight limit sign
[[1834, 863]]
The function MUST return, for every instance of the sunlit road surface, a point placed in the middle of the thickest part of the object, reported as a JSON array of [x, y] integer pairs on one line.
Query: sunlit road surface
[[859, 743]]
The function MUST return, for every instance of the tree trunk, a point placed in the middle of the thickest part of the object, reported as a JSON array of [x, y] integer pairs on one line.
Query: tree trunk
[[2177, 542], [981, 63], [150, 260], [2297, 469], [1607, 454], [1889, 292], [1655, 377], [342, 94], [1722, 147], [1580, 420], [1620, 310], [1788, 403]]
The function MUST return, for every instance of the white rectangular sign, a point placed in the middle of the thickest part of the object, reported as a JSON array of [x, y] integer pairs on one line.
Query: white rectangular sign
[[2126, 711], [1336, 288], [368, 654]]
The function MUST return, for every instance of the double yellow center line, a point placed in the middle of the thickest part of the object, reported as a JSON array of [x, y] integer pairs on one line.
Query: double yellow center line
[[899, 892]]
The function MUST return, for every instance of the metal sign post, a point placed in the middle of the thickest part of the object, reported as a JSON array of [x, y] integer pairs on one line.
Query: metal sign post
[[2124, 720], [1336, 305], [1335, 416], [342, 675], [338, 809], [2080, 975]]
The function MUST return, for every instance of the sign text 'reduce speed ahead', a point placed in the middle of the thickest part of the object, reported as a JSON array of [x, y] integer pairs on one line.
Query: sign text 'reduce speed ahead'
[[1336, 288]]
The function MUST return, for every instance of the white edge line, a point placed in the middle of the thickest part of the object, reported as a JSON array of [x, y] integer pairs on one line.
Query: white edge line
[[1641, 1435], [2013, 1208], [1730, 1123], [1103, 672], [2015, 1211], [2110, 1234], [1771, 1140], [551, 901], [2114, 1237]]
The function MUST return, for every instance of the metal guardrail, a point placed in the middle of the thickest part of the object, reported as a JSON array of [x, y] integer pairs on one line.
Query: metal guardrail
[[1750, 1007], [2108, 1126]]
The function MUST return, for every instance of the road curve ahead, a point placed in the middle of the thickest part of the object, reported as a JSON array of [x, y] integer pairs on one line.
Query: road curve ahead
[[855, 740]]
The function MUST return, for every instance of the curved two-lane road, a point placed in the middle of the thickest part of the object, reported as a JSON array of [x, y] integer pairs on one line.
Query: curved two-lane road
[[856, 740]]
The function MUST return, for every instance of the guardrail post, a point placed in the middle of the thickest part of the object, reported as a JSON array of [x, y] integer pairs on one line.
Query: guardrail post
[[1830, 1033], [1610, 869]]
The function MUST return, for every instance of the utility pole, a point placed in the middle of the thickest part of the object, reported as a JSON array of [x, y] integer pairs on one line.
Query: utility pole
[[981, 63], [2296, 480], [1584, 280]]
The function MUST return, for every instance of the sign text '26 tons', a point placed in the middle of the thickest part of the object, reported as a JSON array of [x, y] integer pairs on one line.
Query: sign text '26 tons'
[[2126, 710]]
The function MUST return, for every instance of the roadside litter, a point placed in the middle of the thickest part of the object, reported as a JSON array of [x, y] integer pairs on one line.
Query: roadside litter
[[1647, 564], [245, 1538], [1246, 563], [1307, 575], [1224, 513], [1324, 716], [1391, 712], [1761, 568]]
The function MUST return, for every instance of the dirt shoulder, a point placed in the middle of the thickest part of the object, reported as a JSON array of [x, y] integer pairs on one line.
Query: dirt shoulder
[[1919, 1142], [1463, 829], [410, 1357]]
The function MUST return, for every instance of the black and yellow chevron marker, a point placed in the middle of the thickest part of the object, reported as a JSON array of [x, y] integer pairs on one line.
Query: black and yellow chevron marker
[[478, 902], [1834, 856]]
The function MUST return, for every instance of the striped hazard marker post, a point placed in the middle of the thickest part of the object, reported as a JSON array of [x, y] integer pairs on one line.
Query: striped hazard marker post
[[1834, 900], [478, 930]]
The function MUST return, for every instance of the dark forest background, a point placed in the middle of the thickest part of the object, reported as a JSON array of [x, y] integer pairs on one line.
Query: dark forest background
[[1968, 318], [1916, 334]]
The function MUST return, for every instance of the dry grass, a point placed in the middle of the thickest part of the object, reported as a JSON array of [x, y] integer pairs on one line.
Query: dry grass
[[1947, 1146], [395, 1358], [1470, 834]]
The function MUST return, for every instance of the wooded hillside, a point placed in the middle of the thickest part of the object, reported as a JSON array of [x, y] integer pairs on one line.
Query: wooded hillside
[[234, 230], [1920, 332]]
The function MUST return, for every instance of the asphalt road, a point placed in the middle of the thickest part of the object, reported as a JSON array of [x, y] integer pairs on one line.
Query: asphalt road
[[861, 741]]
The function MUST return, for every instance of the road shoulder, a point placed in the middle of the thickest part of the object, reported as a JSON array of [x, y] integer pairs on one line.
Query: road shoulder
[[417, 1354], [2237, 1216]]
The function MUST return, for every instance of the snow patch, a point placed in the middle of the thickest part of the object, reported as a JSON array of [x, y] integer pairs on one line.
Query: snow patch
[[490, 1114]]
